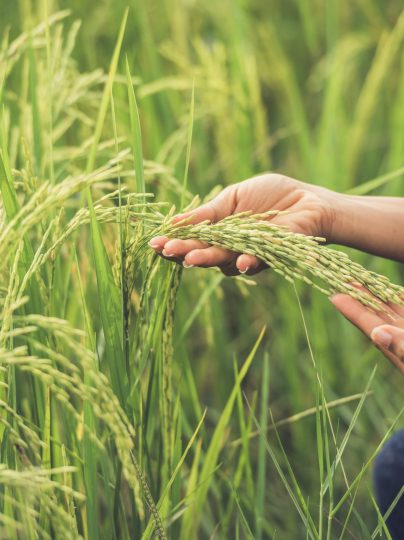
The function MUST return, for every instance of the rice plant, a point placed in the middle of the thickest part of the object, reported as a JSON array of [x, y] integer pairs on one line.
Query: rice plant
[[138, 400], [291, 255]]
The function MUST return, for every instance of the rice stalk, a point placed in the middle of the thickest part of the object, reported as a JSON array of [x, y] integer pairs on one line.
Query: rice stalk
[[246, 117], [173, 284], [65, 380], [46, 198]]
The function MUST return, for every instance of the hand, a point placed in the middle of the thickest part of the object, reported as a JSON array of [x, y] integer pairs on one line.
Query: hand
[[310, 211], [386, 330]]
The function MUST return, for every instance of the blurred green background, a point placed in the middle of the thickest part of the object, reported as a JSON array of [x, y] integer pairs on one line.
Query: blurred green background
[[312, 89]]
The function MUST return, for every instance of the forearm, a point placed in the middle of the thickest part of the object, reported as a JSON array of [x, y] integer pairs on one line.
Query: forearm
[[371, 224]]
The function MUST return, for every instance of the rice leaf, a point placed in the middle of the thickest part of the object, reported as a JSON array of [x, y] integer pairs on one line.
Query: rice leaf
[[191, 520], [136, 133]]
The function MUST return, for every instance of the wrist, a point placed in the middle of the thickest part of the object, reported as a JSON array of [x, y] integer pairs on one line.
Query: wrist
[[344, 214], [370, 224], [336, 214]]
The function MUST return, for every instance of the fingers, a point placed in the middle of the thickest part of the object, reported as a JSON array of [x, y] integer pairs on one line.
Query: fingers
[[388, 338], [194, 253], [391, 338], [180, 248], [389, 312], [357, 313], [191, 253], [211, 256], [231, 264], [218, 208], [248, 264], [398, 309], [158, 243]]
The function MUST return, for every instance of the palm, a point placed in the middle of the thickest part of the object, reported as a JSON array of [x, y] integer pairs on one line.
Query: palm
[[306, 210], [376, 325]]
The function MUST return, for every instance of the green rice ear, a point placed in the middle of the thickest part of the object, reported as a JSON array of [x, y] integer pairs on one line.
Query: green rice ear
[[293, 256]]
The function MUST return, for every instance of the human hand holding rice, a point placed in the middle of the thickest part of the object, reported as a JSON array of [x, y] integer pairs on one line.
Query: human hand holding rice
[[272, 220]]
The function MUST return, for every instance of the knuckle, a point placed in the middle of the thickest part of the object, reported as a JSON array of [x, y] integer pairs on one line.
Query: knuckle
[[224, 194], [277, 178]]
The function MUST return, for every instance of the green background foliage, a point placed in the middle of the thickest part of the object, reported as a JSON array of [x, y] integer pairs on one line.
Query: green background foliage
[[312, 89]]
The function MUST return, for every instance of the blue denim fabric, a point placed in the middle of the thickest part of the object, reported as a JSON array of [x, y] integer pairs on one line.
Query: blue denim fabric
[[388, 478]]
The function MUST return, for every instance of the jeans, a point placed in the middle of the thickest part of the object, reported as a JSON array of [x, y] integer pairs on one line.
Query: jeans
[[388, 478]]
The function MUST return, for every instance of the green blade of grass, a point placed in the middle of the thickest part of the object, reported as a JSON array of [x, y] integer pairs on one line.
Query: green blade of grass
[[203, 298], [90, 461], [136, 133], [376, 183], [348, 515], [162, 505], [304, 414], [389, 46], [89, 450], [109, 297], [261, 469], [296, 496], [348, 433], [11, 207], [46, 456], [243, 471], [110, 311], [384, 517], [192, 518], [246, 527], [106, 95], [367, 465], [189, 143]]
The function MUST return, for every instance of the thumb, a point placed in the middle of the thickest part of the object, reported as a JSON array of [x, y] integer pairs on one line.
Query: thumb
[[390, 338], [215, 210]]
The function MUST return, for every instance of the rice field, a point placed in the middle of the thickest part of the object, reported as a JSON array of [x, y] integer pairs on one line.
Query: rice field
[[140, 399]]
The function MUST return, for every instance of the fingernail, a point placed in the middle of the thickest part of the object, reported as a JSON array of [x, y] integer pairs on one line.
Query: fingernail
[[245, 270], [381, 337], [186, 265], [168, 254]]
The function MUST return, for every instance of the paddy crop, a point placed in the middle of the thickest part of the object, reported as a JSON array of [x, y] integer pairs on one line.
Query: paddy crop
[[139, 399], [294, 256]]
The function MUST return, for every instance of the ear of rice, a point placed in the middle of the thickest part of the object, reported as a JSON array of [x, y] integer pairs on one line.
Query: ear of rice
[[294, 256]]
